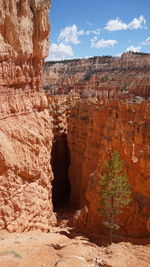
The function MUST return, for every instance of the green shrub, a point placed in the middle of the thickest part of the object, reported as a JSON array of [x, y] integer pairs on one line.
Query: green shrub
[[114, 192]]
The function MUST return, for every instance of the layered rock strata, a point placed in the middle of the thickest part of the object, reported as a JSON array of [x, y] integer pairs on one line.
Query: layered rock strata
[[114, 117], [59, 109], [110, 77], [59, 153], [25, 126], [95, 129]]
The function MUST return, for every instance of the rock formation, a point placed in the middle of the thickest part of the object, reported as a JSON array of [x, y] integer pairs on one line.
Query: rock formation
[[60, 159], [77, 133], [96, 126], [95, 129], [25, 126], [103, 76]]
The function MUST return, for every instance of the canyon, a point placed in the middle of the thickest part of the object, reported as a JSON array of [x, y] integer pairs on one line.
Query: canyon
[[54, 142], [111, 77], [94, 129], [97, 116]]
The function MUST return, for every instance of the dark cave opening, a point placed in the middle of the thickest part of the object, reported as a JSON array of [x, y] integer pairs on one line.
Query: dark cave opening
[[60, 161]]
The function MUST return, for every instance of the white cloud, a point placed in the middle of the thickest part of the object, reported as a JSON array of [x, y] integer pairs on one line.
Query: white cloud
[[60, 51], [137, 23], [69, 35], [96, 32], [81, 32], [117, 24], [133, 48], [147, 41], [102, 43], [93, 41]]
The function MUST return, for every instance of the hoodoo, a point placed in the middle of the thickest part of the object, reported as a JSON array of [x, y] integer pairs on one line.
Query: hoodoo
[[25, 127]]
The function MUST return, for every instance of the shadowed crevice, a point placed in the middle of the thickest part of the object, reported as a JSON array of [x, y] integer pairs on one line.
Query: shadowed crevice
[[60, 161]]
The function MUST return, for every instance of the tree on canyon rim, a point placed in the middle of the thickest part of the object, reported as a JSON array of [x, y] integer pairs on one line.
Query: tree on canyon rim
[[114, 192]]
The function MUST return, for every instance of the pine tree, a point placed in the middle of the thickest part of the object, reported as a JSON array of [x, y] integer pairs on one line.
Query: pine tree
[[114, 192]]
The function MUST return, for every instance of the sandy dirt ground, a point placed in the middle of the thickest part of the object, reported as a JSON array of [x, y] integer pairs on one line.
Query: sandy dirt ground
[[58, 248]]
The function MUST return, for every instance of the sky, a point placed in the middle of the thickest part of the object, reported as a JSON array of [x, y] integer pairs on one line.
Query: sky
[[87, 28]]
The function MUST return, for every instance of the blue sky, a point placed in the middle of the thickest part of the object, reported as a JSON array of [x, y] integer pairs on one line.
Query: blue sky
[[85, 28]]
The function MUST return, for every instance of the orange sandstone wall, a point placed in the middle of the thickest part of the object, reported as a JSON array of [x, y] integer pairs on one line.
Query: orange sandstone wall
[[128, 75], [25, 126], [115, 116], [95, 128]]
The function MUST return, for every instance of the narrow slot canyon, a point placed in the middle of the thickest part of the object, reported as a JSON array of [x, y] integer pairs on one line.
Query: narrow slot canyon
[[60, 161], [83, 131], [71, 130]]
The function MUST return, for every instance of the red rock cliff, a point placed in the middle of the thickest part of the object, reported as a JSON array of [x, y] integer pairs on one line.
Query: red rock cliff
[[118, 119], [25, 127], [107, 76], [95, 129]]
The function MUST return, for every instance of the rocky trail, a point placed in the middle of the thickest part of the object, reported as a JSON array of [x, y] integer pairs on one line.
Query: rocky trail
[[63, 247]]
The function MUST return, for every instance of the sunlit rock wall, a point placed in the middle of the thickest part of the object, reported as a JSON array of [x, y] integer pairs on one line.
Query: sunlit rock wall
[[95, 129], [25, 125], [112, 77]]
